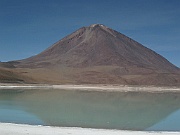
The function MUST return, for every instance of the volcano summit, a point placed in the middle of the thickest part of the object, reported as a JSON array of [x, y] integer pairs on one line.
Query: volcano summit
[[98, 54]]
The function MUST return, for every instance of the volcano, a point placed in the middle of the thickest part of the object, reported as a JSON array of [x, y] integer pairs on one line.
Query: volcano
[[98, 54]]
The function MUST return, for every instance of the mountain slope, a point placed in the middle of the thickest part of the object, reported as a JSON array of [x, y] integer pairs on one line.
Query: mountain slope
[[98, 54], [98, 45], [8, 76]]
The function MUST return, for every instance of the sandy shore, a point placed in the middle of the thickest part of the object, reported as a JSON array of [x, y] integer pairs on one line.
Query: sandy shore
[[20, 129], [119, 88]]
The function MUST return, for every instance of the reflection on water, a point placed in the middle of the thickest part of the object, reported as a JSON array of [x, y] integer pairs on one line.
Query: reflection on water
[[18, 116], [171, 123], [116, 110]]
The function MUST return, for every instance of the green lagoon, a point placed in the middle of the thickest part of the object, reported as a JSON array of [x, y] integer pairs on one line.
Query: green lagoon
[[108, 110]]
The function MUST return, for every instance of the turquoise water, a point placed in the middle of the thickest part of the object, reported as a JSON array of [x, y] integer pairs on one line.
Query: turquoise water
[[14, 115], [170, 123], [112, 110]]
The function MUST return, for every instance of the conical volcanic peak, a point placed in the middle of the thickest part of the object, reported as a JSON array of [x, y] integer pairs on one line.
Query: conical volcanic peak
[[100, 26], [96, 55], [98, 45]]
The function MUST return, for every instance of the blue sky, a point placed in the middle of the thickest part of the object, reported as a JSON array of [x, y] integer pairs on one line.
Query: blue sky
[[27, 27]]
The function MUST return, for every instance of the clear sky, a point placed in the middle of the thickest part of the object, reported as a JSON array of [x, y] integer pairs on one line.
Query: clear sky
[[27, 27]]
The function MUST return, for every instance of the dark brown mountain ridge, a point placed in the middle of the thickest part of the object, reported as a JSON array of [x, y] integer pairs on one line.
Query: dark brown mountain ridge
[[98, 54]]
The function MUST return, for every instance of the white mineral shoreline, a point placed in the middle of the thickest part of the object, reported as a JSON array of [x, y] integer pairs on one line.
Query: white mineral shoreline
[[21, 129], [120, 88]]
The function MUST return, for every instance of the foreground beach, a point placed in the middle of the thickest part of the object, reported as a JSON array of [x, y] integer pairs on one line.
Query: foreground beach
[[20, 129]]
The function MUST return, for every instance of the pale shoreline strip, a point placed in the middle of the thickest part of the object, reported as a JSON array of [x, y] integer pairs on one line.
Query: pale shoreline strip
[[22, 129], [116, 88]]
